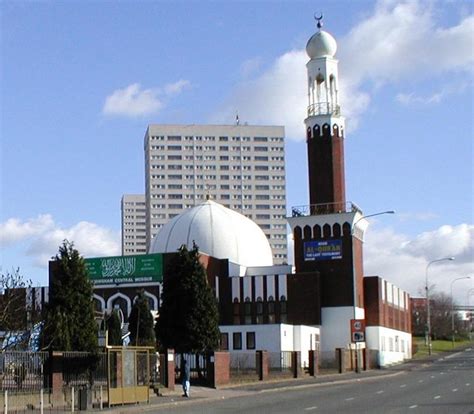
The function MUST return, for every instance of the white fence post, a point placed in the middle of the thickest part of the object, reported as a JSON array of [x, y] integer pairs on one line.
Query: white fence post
[[41, 401], [5, 402], [72, 399], [101, 400]]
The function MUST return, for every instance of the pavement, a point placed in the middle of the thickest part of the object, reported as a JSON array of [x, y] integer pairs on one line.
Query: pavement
[[199, 394]]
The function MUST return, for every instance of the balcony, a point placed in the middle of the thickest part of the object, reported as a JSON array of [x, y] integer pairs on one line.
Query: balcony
[[324, 108], [325, 208]]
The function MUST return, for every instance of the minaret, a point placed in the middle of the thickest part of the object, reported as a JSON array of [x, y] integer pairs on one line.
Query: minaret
[[328, 234], [324, 124]]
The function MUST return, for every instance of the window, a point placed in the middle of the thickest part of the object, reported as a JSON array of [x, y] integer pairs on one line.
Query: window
[[271, 310], [174, 147], [237, 340], [236, 311], [224, 341], [250, 340], [259, 310], [283, 311], [248, 311]]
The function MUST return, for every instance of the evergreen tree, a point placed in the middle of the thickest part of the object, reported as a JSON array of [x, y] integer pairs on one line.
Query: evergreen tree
[[189, 319], [114, 329], [69, 320], [140, 323]]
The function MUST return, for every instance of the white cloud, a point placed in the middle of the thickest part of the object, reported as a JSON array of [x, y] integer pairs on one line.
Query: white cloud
[[403, 261], [43, 236], [413, 99], [133, 101], [14, 230], [176, 87], [399, 40]]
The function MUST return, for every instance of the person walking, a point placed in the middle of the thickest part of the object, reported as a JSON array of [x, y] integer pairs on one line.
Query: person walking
[[186, 375]]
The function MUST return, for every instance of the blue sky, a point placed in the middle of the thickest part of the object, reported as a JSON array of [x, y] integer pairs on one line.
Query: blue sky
[[81, 80]]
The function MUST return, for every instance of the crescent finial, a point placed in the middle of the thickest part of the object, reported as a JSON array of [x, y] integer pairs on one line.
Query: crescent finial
[[319, 20]]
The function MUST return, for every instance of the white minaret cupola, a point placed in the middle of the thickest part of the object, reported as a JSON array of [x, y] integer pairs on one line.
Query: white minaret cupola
[[323, 81]]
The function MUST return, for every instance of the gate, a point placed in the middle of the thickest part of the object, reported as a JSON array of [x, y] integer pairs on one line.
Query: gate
[[198, 364], [128, 374]]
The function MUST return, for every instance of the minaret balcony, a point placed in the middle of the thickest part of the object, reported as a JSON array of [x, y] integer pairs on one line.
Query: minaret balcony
[[325, 208], [324, 108]]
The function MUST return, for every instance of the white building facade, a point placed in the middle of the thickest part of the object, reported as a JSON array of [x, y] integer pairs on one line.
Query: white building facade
[[133, 224], [240, 166]]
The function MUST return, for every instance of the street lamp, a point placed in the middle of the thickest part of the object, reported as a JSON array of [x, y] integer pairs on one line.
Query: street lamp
[[469, 293], [428, 308], [452, 304], [372, 215], [355, 303]]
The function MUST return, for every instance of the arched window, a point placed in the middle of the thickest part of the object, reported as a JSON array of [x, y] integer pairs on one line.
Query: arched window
[[336, 228], [332, 91], [271, 309], [259, 310], [326, 230], [346, 229], [283, 309], [297, 233], [317, 231], [307, 232], [248, 311], [236, 311]]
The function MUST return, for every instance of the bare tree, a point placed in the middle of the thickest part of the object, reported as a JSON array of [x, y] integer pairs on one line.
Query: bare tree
[[13, 315]]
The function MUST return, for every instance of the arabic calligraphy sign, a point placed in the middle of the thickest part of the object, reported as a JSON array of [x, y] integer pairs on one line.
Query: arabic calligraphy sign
[[125, 269]]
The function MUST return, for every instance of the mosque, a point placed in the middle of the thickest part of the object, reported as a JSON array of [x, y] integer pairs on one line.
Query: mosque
[[321, 303]]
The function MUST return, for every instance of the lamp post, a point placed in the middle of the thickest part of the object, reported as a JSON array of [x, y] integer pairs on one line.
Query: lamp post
[[352, 233], [452, 304], [371, 215], [428, 308], [469, 293]]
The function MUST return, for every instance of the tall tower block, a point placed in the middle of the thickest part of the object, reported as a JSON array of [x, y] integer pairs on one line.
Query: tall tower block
[[328, 233]]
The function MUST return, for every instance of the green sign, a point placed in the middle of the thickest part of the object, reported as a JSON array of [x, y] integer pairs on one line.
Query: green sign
[[125, 269]]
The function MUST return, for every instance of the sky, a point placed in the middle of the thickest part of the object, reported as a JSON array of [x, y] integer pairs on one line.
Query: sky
[[81, 80]]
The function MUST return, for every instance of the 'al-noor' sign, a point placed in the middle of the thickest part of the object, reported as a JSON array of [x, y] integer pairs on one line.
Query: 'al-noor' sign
[[125, 269], [323, 250]]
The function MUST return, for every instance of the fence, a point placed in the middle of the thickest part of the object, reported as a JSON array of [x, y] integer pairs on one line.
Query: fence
[[198, 365], [280, 363], [23, 370], [243, 366], [84, 369]]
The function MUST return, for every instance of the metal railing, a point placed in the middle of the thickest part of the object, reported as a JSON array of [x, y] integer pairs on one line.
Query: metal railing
[[20, 370], [84, 368], [280, 361], [325, 208], [324, 108]]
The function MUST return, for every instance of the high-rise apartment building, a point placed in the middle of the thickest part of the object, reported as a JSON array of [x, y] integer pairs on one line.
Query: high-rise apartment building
[[133, 224], [239, 166]]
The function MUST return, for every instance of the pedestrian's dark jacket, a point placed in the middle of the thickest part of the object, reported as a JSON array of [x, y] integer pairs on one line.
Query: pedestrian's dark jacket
[[186, 372]]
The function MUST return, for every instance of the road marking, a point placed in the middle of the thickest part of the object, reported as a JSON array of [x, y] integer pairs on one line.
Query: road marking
[[467, 384], [442, 373], [413, 406], [380, 392], [420, 381], [349, 399], [437, 397], [403, 385], [455, 390], [432, 376], [311, 408]]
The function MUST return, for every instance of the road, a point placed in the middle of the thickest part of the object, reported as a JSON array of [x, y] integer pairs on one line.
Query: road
[[444, 386]]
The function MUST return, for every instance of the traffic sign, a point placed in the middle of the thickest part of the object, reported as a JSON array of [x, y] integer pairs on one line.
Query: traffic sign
[[358, 330]]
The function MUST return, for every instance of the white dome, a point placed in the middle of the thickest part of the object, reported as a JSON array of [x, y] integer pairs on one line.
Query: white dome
[[321, 44], [218, 232]]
